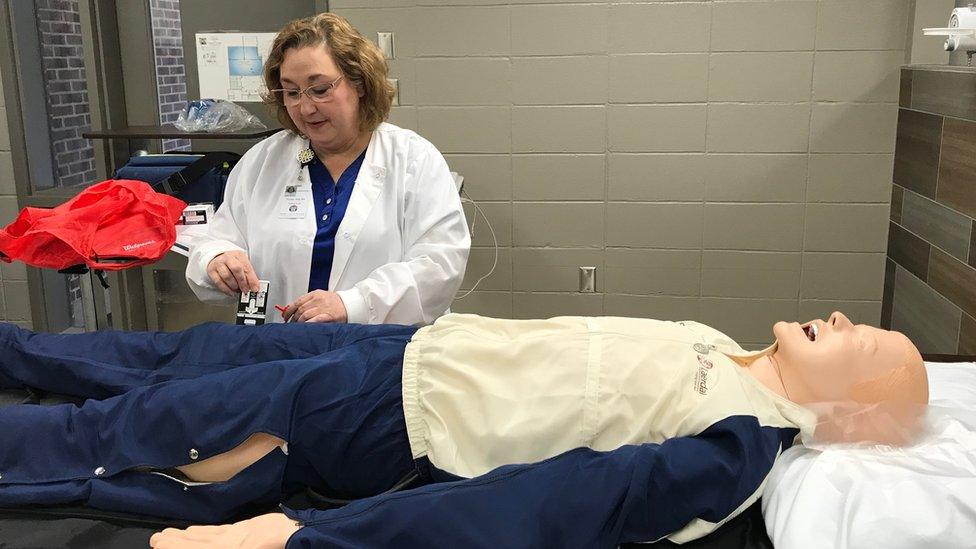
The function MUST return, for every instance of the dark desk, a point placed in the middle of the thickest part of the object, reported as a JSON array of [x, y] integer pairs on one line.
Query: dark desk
[[168, 131]]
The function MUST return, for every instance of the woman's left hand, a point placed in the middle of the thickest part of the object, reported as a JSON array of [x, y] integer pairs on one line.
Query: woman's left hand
[[316, 306]]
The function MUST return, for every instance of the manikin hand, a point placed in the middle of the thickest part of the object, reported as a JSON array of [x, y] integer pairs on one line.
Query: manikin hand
[[232, 272], [316, 306], [269, 531]]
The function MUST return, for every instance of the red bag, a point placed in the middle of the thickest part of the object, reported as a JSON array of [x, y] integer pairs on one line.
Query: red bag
[[112, 225]]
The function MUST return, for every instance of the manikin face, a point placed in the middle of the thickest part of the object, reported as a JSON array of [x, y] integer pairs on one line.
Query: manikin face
[[863, 383], [333, 125], [837, 361]]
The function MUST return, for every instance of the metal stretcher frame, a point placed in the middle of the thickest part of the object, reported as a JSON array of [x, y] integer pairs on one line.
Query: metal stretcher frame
[[80, 527], [63, 527]]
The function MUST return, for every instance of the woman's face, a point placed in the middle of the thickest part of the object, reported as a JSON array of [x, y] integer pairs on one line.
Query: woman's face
[[331, 125]]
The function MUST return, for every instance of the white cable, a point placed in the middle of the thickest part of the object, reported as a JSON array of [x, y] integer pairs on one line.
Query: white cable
[[477, 210]]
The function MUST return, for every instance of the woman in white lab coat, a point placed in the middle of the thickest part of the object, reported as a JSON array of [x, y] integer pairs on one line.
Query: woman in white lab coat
[[350, 219]]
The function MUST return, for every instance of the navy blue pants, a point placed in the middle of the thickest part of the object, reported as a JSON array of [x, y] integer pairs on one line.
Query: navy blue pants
[[332, 392]]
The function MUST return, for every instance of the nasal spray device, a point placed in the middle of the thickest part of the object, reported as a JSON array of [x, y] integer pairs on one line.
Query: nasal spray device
[[961, 32], [252, 307]]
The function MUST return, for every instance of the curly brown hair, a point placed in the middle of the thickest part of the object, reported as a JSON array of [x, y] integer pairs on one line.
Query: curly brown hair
[[360, 61]]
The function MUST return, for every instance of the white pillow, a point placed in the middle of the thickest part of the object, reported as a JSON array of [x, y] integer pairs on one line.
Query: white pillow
[[893, 498]]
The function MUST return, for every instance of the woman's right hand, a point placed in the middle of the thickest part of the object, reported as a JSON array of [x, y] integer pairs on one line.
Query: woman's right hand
[[232, 273]]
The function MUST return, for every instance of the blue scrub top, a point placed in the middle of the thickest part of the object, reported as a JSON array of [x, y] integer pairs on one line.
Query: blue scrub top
[[331, 199]]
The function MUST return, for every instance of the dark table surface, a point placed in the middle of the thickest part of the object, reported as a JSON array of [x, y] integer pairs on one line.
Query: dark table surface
[[168, 131]]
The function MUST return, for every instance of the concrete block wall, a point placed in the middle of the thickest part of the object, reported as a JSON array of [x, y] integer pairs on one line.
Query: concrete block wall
[[722, 161]]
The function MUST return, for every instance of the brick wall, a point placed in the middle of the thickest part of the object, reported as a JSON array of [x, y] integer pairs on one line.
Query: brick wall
[[62, 57], [170, 72]]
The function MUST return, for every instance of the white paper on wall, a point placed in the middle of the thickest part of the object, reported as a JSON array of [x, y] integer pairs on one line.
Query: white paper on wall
[[229, 64]]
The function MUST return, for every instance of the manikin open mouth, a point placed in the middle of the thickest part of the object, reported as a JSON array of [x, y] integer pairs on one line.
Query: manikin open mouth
[[811, 330]]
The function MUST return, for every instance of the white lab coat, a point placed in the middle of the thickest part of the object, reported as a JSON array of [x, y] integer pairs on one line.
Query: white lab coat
[[400, 250]]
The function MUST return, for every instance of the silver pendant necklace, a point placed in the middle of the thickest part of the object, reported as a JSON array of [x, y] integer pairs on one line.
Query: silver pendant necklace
[[304, 157]]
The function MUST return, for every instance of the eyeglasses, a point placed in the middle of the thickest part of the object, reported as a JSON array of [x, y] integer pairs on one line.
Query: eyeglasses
[[319, 93]]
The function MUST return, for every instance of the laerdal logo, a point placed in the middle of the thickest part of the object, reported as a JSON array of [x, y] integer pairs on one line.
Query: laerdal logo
[[137, 245], [701, 377]]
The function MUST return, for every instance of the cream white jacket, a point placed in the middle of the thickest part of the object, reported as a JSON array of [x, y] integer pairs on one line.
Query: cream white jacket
[[479, 393], [400, 250]]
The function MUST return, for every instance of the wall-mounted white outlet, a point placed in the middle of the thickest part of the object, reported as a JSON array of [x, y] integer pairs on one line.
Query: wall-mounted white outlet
[[587, 279], [396, 91], [385, 41]]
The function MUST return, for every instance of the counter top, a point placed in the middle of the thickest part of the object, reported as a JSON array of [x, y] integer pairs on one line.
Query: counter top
[[941, 68]]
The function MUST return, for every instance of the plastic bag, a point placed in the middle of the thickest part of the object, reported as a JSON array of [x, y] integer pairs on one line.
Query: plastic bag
[[113, 225], [215, 115]]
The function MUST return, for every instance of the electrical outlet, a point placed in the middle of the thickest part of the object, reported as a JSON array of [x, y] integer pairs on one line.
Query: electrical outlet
[[396, 90], [587, 279], [385, 41]]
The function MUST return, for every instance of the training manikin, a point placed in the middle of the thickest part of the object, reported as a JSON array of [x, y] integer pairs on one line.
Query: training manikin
[[569, 432]]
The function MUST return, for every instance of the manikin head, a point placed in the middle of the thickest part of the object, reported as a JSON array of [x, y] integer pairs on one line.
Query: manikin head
[[864, 383]]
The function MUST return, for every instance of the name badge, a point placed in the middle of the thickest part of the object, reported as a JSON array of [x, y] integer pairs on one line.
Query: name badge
[[294, 205]]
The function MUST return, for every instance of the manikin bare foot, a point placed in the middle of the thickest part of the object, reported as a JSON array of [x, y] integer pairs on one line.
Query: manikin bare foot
[[269, 531]]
